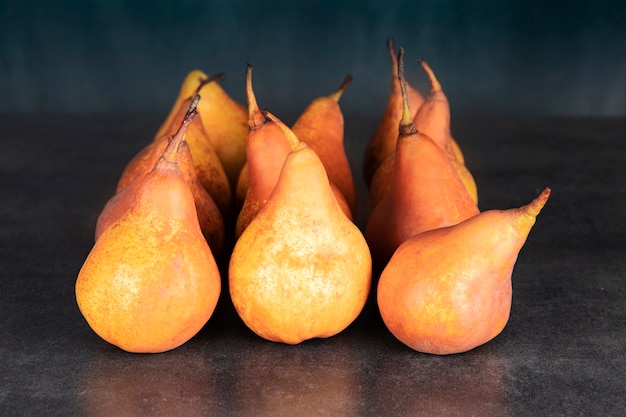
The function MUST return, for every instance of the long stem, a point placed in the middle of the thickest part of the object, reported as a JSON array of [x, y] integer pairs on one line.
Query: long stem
[[407, 127]]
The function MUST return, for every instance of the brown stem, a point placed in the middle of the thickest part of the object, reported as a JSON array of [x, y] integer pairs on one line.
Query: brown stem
[[291, 137], [336, 95], [407, 127], [204, 81]]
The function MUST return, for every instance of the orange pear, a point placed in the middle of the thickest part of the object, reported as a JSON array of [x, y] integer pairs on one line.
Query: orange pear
[[209, 215], [266, 150], [383, 142], [150, 282], [302, 268], [433, 119], [433, 116], [208, 167], [449, 290], [267, 147], [425, 193], [321, 126]]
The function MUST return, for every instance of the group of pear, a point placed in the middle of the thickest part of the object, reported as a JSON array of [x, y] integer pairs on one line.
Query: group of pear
[[222, 183]]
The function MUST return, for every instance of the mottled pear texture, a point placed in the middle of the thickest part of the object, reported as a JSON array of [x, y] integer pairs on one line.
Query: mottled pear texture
[[301, 269], [449, 290], [150, 282]]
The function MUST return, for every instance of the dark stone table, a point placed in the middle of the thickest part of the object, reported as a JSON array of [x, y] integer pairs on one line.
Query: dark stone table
[[561, 353]]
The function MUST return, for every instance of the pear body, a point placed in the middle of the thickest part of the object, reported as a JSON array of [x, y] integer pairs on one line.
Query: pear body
[[224, 119], [301, 269], [267, 149], [433, 120], [150, 282], [449, 290], [209, 214], [383, 141], [226, 122], [207, 162], [425, 193], [321, 126]]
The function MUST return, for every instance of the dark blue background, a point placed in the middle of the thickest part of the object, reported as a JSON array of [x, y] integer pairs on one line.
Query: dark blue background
[[530, 57]]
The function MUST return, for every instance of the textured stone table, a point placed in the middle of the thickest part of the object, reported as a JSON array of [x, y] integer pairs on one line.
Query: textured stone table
[[561, 353]]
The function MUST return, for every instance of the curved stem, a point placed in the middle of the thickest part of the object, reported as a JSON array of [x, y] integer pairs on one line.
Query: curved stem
[[291, 137], [255, 116], [407, 127], [434, 82]]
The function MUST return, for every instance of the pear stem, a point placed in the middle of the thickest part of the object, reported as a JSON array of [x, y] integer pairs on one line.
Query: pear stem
[[407, 127], [204, 81], [534, 207], [291, 137], [256, 118], [170, 152], [434, 82], [336, 95]]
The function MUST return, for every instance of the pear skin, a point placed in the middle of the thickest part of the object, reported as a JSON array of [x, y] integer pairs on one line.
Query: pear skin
[[449, 290], [268, 145], [433, 120], [209, 168], [321, 126], [266, 150], [301, 269], [150, 282], [425, 193], [209, 214], [383, 142], [226, 122], [433, 116], [224, 119], [189, 88], [381, 182]]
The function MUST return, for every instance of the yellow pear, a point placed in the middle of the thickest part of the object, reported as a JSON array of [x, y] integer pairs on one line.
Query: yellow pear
[[224, 119]]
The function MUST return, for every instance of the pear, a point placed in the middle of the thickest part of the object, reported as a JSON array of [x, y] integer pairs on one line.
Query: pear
[[209, 168], [209, 214], [266, 150], [425, 192], [433, 116], [301, 269], [190, 87], [449, 290], [321, 126], [433, 120], [267, 147], [225, 120], [383, 142], [150, 282]]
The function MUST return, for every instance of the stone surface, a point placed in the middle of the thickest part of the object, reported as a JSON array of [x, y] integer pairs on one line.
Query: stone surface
[[561, 353]]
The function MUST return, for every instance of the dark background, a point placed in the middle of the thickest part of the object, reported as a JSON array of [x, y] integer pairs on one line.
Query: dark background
[[504, 57], [119, 64]]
